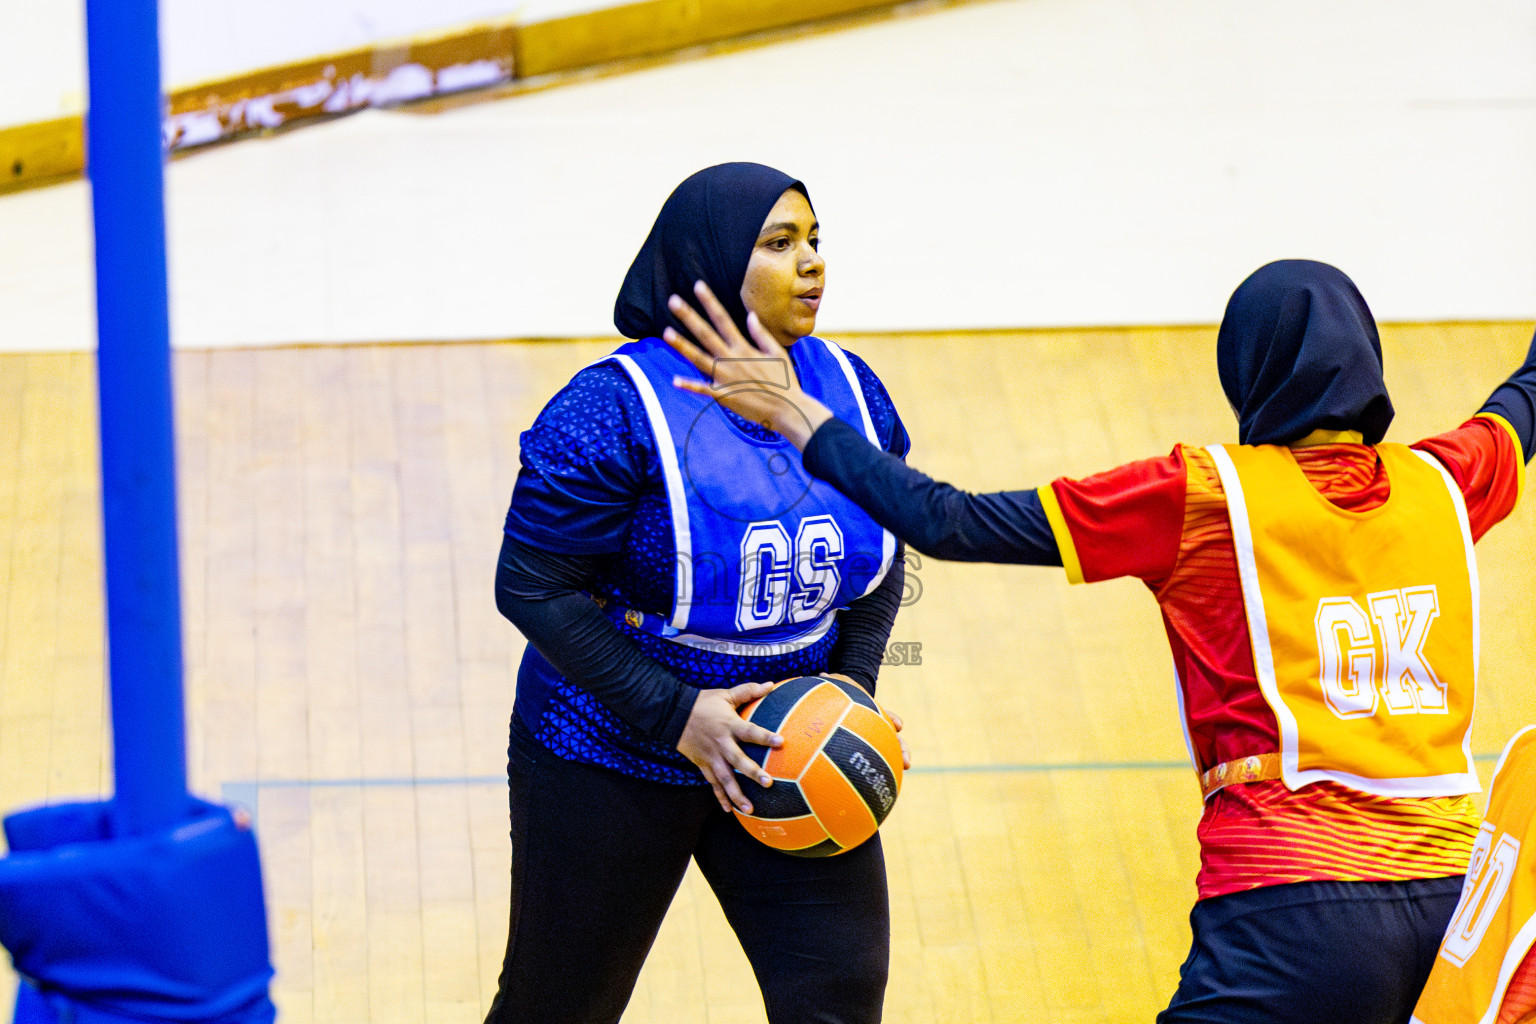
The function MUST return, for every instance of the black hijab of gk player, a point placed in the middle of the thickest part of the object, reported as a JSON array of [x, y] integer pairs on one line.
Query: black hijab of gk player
[[1298, 352], [705, 232]]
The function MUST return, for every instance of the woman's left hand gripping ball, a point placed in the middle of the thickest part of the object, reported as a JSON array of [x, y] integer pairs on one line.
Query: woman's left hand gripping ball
[[890, 716], [712, 740]]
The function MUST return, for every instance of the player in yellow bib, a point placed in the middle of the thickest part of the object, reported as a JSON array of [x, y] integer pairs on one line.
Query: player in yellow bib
[[1364, 623], [1319, 590], [1485, 973]]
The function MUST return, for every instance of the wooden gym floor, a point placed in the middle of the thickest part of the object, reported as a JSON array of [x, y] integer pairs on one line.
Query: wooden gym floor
[[349, 678]]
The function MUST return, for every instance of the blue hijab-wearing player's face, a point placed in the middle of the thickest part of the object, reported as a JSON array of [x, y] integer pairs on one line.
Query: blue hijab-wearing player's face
[[785, 274], [746, 230]]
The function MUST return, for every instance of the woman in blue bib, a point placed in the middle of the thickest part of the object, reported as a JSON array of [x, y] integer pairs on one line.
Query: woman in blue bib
[[665, 559]]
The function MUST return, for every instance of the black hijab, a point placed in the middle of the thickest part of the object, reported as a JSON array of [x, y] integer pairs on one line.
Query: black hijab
[[1298, 352], [705, 231]]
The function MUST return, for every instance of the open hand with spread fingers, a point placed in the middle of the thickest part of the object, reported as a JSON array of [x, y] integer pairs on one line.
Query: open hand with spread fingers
[[755, 381]]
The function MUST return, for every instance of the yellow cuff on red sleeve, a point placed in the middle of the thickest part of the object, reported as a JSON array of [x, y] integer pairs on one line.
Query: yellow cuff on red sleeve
[[1063, 536], [1514, 438]]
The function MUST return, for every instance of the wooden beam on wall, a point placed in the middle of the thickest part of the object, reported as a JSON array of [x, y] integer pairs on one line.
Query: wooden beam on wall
[[423, 67], [41, 153]]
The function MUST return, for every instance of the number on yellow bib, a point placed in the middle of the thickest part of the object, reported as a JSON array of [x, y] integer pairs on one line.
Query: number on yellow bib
[[1488, 876]]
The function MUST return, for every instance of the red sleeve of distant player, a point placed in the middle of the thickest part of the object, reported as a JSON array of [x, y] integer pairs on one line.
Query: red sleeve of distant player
[[1484, 458], [1123, 522]]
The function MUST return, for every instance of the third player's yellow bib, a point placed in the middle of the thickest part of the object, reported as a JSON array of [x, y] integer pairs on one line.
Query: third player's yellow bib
[[1364, 624], [1495, 923]]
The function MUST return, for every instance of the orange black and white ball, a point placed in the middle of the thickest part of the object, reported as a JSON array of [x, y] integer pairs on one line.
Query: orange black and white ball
[[837, 775]]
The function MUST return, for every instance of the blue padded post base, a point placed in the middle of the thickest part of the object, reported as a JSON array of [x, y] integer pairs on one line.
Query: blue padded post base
[[168, 925]]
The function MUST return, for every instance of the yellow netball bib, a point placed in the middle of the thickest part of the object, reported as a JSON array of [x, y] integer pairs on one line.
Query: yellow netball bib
[[1364, 624], [1495, 923]]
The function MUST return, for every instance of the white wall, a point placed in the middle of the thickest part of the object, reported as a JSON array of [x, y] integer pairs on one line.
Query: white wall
[[1014, 163], [42, 42], [42, 63], [206, 39]]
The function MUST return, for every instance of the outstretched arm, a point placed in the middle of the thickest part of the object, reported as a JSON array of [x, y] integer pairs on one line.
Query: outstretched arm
[[1515, 402], [935, 518]]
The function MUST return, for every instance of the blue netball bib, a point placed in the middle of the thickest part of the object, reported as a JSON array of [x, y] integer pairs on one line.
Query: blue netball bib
[[766, 554]]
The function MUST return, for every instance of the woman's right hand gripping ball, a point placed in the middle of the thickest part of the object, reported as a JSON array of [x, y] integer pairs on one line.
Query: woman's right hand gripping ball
[[712, 740]]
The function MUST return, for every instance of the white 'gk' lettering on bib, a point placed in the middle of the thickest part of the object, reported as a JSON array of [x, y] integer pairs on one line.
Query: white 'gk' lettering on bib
[[1348, 642]]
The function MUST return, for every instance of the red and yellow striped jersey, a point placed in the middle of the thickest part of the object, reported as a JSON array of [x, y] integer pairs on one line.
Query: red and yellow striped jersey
[[1164, 521]]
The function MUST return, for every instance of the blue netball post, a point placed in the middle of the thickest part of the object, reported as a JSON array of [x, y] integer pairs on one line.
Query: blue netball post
[[146, 907]]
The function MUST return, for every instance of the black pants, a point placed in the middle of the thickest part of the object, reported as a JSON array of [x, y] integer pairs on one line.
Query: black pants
[[1323, 952], [596, 859]]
